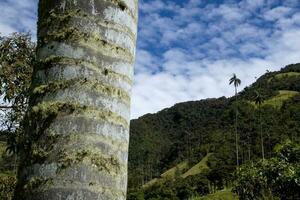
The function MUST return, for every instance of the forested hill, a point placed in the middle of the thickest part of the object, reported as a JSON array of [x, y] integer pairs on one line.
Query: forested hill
[[188, 131]]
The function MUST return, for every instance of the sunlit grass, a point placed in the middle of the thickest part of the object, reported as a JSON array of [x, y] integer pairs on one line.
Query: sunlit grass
[[284, 75], [287, 74], [169, 174], [278, 100], [198, 168], [180, 168]]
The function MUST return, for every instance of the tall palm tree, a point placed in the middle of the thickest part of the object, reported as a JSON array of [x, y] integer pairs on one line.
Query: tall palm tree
[[258, 98], [236, 82], [77, 126]]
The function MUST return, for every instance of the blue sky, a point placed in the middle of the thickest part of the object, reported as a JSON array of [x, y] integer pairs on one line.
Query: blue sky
[[188, 49]]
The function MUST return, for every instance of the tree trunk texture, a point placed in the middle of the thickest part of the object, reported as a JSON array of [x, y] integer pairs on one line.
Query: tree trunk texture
[[236, 130], [261, 134], [77, 124]]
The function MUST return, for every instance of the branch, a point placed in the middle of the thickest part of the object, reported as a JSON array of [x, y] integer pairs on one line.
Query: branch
[[6, 107]]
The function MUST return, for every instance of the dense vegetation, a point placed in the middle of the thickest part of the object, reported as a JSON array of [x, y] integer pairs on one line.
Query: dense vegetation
[[274, 178], [17, 58], [188, 131]]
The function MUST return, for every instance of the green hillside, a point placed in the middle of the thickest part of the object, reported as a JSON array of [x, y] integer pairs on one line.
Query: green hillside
[[287, 74], [198, 168], [187, 131], [180, 168], [279, 99], [152, 182]]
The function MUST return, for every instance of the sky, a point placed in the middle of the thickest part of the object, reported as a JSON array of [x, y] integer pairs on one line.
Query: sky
[[188, 49]]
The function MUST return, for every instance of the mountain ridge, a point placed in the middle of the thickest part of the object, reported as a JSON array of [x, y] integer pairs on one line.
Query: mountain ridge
[[189, 130]]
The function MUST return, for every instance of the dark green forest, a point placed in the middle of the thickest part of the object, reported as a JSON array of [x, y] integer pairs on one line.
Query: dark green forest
[[187, 151], [189, 131]]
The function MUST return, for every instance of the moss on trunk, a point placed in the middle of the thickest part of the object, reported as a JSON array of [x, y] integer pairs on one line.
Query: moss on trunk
[[77, 125]]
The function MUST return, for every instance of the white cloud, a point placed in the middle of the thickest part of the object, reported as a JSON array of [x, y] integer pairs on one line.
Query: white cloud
[[230, 13], [18, 15], [240, 43], [6, 29], [157, 5], [277, 13], [146, 62]]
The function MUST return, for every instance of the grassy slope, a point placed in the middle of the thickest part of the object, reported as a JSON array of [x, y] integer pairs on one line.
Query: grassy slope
[[198, 168], [280, 98], [169, 174], [153, 181], [284, 75], [182, 169], [287, 74]]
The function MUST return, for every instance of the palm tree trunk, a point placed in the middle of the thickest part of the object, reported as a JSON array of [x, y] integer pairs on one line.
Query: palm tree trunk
[[261, 135], [249, 152], [236, 131], [77, 125]]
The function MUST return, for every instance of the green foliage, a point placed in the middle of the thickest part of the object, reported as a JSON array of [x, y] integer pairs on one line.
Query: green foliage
[[173, 189], [270, 83], [176, 171], [7, 186], [158, 142], [17, 58], [7, 174], [287, 74], [135, 195], [279, 99], [235, 81], [277, 177], [183, 172]]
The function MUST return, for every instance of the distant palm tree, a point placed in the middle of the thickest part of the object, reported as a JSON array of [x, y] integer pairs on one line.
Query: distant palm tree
[[258, 98], [188, 141], [236, 82]]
